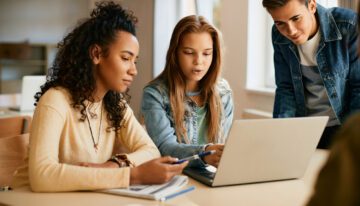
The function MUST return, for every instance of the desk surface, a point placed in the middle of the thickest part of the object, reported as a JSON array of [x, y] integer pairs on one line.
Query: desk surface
[[280, 193]]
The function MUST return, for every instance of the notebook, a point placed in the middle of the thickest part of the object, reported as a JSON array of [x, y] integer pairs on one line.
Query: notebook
[[264, 150], [175, 187], [30, 86]]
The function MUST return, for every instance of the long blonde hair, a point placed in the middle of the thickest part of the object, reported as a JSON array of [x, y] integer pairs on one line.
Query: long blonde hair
[[173, 76]]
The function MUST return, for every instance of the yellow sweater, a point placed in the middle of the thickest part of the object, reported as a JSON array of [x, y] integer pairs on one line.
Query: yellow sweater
[[59, 140]]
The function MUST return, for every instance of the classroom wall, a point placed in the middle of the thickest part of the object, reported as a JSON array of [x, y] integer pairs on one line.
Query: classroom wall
[[144, 10], [55, 18], [39, 21], [234, 23], [48, 21]]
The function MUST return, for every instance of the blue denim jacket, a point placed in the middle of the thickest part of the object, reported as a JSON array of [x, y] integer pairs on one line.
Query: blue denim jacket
[[156, 111], [338, 63]]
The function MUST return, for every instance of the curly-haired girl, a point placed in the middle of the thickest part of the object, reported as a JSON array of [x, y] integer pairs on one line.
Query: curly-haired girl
[[82, 113]]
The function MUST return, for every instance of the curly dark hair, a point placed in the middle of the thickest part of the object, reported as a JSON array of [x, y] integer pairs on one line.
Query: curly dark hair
[[73, 67]]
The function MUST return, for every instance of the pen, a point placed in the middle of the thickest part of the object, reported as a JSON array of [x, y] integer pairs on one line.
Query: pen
[[197, 156], [178, 193]]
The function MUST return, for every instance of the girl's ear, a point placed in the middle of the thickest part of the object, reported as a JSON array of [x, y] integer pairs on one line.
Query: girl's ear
[[95, 54]]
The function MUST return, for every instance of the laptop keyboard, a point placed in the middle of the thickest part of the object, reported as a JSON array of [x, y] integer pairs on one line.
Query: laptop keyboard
[[203, 172], [208, 174]]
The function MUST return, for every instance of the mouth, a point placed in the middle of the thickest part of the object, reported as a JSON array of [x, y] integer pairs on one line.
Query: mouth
[[196, 71], [295, 37], [127, 82]]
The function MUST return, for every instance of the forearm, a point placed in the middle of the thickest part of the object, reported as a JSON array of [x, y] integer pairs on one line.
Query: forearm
[[56, 177], [284, 105], [136, 139], [144, 154], [285, 102]]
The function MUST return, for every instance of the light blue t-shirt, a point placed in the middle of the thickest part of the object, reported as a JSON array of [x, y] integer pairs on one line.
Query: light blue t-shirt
[[202, 125]]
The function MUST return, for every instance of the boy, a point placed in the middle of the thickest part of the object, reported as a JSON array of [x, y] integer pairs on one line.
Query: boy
[[317, 70]]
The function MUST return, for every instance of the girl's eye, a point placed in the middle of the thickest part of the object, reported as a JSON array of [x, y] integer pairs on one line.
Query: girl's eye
[[125, 58], [188, 52], [207, 54]]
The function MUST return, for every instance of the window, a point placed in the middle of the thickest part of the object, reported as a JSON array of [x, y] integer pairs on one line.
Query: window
[[260, 69], [259, 60]]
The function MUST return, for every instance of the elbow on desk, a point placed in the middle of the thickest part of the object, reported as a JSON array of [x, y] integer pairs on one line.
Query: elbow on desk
[[40, 179], [39, 184]]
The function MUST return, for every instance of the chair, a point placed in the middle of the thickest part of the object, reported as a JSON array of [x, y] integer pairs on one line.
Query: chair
[[13, 151], [13, 126]]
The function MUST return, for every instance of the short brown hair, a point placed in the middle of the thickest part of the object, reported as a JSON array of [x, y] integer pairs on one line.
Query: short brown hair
[[274, 4]]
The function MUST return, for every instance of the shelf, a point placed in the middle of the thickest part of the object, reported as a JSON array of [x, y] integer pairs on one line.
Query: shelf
[[13, 66], [11, 62]]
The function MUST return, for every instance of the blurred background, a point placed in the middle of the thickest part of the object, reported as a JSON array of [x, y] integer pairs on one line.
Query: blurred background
[[31, 29]]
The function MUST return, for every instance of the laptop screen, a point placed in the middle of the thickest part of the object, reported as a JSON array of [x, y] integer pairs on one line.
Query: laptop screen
[[30, 86]]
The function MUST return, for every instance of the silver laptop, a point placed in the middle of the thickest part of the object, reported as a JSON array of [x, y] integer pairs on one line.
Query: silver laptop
[[30, 86], [264, 150]]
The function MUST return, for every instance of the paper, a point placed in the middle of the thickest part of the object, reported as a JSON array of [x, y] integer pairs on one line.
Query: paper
[[155, 192]]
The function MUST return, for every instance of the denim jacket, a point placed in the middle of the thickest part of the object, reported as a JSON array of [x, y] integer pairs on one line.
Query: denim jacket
[[159, 122], [338, 64]]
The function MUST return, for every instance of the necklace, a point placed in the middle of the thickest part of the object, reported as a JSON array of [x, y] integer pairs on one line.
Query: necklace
[[93, 114], [91, 132]]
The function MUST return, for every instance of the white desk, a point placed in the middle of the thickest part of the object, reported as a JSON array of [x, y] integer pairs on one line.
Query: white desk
[[281, 193]]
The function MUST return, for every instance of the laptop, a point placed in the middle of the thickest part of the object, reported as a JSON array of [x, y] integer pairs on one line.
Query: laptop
[[263, 150], [30, 86]]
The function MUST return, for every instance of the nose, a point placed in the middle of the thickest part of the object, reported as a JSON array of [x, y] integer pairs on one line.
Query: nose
[[197, 59], [133, 71], [291, 29]]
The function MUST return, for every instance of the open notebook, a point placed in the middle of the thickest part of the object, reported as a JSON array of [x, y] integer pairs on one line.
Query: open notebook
[[162, 192]]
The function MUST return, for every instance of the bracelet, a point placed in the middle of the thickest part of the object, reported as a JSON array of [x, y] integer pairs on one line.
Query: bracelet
[[124, 159], [117, 161], [112, 159], [121, 160]]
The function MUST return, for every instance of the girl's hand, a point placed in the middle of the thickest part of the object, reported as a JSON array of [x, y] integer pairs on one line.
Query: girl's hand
[[214, 159], [156, 171]]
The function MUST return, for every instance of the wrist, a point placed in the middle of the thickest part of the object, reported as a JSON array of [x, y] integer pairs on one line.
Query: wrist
[[111, 164], [134, 177], [115, 160], [205, 147], [120, 160], [203, 159]]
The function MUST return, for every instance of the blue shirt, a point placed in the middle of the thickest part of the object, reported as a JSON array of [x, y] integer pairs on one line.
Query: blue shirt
[[338, 65], [156, 111]]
